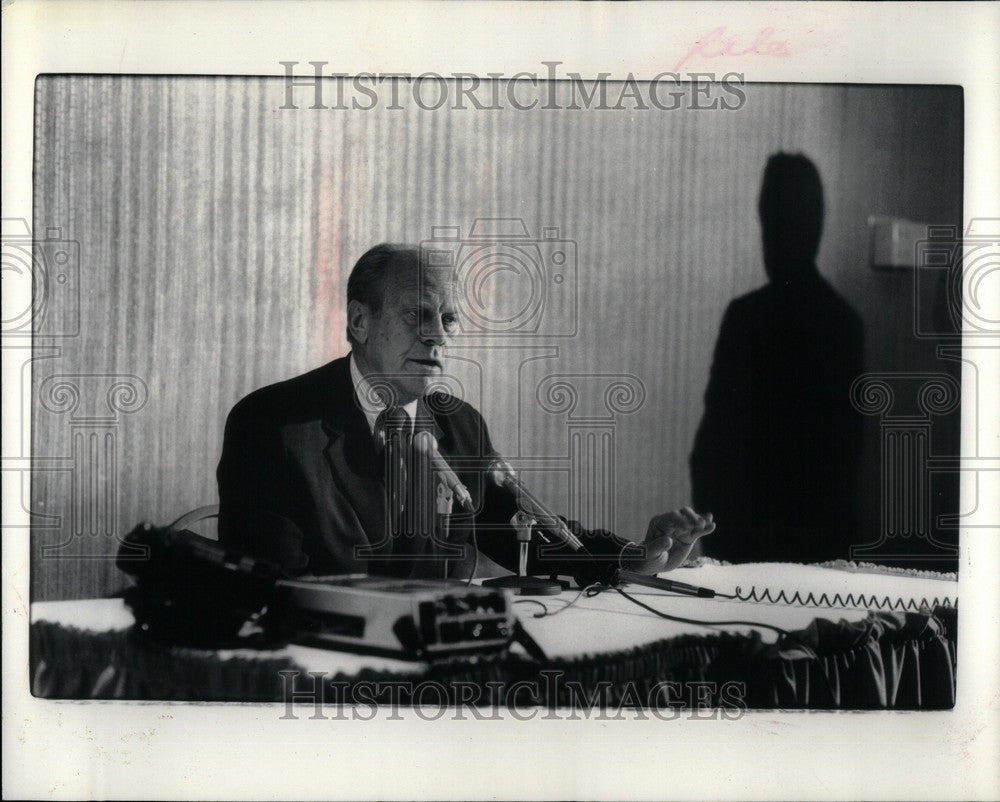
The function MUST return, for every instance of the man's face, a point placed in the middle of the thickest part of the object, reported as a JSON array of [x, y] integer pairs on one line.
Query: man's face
[[406, 339]]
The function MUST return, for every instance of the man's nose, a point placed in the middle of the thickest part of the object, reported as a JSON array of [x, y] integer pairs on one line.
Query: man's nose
[[432, 332]]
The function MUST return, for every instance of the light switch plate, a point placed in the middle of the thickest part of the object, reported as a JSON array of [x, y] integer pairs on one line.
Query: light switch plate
[[894, 243]]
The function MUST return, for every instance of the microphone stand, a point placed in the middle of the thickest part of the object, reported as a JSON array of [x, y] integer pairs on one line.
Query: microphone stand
[[522, 584], [444, 508]]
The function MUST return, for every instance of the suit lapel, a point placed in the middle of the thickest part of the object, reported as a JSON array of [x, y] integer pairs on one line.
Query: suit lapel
[[353, 463]]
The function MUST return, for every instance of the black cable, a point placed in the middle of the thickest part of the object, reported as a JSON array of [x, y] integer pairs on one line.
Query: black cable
[[534, 601], [697, 622], [475, 559], [547, 614], [810, 653]]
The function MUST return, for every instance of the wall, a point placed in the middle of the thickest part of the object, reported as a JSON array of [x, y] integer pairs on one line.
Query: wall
[[216, 233]]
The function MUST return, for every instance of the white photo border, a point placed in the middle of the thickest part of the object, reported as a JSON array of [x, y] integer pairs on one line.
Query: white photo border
[[126, 750]]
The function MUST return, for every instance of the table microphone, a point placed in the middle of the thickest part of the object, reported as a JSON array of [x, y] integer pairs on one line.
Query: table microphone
[[425, 444], [503, 475], [664, 584]]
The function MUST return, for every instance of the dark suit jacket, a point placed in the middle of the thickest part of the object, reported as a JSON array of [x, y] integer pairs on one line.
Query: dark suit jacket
[[300, 484], [776, 456]]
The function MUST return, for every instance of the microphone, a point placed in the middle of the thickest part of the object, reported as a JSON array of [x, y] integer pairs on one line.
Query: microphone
[[665, 584], [503, 475], [425, 444]]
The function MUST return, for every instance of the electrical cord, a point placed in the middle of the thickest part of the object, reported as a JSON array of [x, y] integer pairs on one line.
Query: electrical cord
[[698, 622], [545, 610], [547, 614], [475, 558], [595, 589], [806, 648]]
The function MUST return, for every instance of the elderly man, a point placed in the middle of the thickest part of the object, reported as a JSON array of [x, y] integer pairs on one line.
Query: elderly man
[[309, 477]]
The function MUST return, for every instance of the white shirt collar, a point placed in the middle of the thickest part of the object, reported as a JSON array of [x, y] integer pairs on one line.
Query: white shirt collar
[[370, 402]]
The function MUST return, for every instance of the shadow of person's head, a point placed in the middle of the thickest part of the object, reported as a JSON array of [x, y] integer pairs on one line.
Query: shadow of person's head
[[791, 214]]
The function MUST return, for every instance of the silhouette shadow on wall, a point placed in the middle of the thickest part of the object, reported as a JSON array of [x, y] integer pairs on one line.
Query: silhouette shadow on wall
[[777, 453]]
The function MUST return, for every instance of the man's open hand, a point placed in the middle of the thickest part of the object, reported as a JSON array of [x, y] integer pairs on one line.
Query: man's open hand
[[669, 539]]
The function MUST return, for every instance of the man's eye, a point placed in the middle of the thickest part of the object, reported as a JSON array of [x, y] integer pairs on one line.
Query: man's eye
[[450, 322], [411, 315]]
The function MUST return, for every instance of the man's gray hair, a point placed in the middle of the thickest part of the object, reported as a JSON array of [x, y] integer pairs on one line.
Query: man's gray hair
[[367, 281]]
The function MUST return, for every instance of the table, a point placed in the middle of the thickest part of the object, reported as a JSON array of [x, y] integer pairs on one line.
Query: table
[[848, 643]]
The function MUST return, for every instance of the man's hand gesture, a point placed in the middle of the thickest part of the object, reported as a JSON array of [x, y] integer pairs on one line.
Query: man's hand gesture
[[668, 542]]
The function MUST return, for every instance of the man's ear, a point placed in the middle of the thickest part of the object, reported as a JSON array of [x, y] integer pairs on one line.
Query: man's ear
[[359, 318]]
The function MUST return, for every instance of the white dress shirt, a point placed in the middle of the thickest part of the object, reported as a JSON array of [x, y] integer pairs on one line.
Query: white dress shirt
[[370, 402]]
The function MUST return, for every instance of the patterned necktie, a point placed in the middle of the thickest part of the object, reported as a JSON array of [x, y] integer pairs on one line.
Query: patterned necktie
[[416, 544], [409, 495], [392, 429]]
